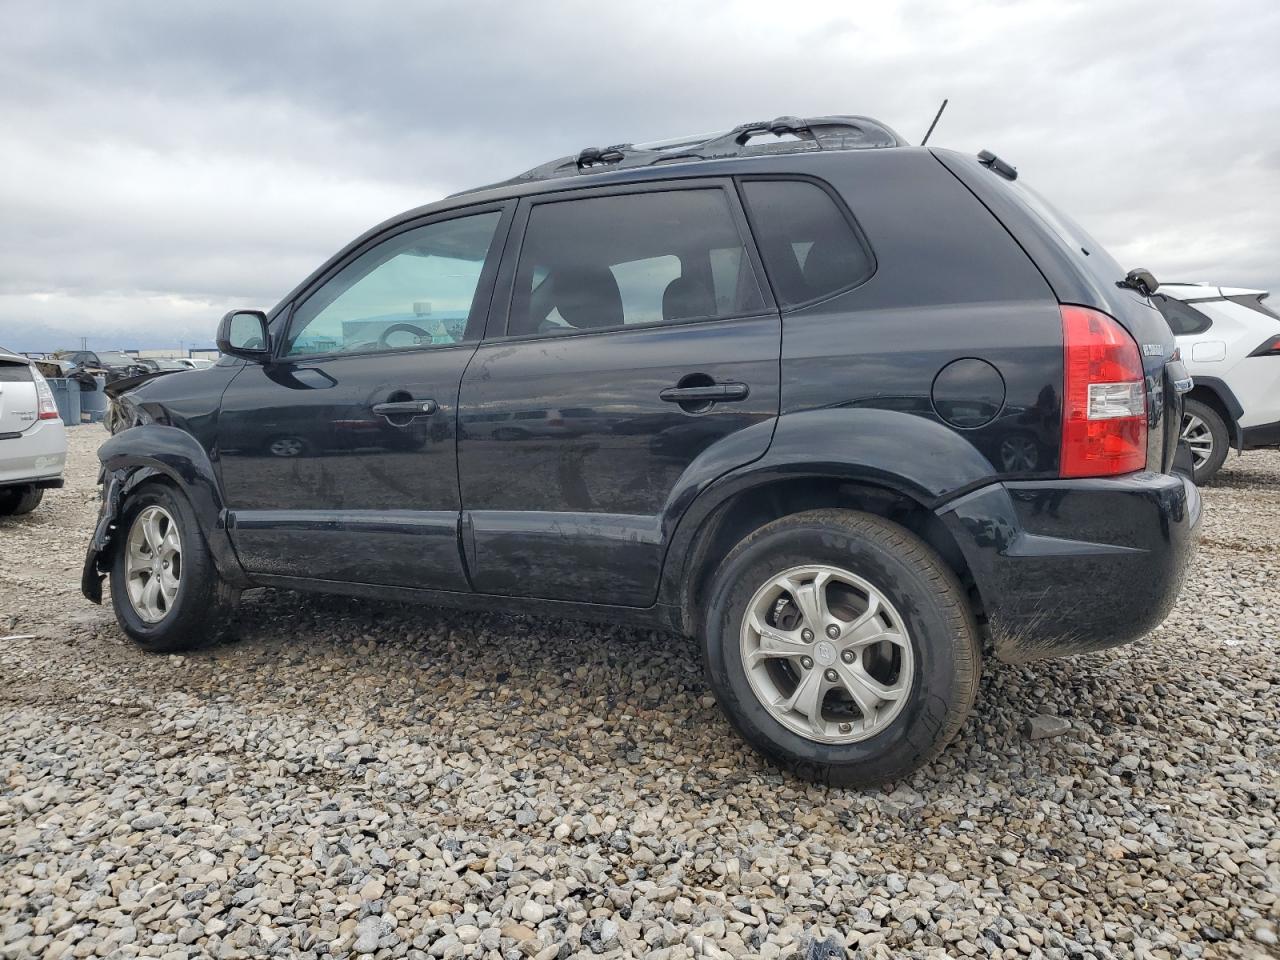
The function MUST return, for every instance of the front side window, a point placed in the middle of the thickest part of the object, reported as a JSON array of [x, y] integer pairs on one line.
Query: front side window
[[809, 247], [641, 258], [416, 289]]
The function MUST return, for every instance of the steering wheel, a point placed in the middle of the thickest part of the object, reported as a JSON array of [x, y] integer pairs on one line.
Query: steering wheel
[[401, 328]]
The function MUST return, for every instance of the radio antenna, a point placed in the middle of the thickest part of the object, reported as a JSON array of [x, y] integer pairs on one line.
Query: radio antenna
[[936, 117]]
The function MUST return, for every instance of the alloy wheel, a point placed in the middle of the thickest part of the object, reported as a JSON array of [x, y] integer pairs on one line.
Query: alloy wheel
[[1198, 438], [153, 563], [827, 654]]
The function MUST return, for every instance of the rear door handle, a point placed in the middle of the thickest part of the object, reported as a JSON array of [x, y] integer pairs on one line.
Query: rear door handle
[[712, 393], [405, 408]]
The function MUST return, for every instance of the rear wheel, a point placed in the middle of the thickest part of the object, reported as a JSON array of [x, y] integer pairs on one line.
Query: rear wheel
[[15, 501], [165, 589], [841, 646], [1205, 434]]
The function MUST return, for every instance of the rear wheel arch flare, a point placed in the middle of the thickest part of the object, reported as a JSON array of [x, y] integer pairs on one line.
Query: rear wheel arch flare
[[747, 510], [1209, 396]]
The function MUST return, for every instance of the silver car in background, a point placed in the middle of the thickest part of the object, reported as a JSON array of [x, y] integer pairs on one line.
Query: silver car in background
[[33, 440]]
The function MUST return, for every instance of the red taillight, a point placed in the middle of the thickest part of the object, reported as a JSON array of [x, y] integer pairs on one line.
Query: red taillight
[[1104, 409], [1269, 348], [45, 403]]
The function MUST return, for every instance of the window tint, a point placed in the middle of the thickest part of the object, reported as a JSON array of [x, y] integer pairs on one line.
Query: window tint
[[414, 290], [1182, 319], [640, 258], [14, 372], [809, 247], [1254, 302]]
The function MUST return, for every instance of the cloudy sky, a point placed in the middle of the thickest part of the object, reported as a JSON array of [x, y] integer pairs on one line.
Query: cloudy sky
[[164, 162]]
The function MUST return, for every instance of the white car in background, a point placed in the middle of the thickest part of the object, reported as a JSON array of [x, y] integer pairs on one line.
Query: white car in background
[[195, 363], [1230, 342], [33, 441]]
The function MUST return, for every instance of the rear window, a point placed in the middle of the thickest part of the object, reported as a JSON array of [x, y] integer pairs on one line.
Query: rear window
[[1182, 319], [810, 247], [14, 372], [1100, 264]]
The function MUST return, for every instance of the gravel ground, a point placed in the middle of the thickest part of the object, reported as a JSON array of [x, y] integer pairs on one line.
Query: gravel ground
[[350, 779]]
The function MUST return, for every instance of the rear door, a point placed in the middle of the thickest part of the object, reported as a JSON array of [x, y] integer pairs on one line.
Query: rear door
[[19, 407], [632, 356]]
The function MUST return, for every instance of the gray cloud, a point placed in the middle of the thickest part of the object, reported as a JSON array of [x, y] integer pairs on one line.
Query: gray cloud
[[167, 161]]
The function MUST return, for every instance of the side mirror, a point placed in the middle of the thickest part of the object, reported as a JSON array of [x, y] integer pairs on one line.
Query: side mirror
[[243, 333]]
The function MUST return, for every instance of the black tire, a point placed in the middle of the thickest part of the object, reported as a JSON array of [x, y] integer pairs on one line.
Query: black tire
[[203, 607], [1221, 440], [934, 610], [15, 501]]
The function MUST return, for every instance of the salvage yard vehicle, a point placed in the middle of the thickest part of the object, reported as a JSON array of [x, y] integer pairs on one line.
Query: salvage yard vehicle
[[115, 364], [33, 440], [854, 413], [1230, 343]]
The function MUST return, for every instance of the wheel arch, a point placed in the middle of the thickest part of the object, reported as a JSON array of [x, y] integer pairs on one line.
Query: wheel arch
[[894, 464], [688, 572], [1216, 395], [149, 452]]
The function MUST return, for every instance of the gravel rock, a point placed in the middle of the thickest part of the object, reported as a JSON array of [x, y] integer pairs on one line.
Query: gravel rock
[[349, 778], [1044, 725]]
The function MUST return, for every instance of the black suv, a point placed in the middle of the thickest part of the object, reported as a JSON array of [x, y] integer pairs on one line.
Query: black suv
[[115, 364], [850, 411]]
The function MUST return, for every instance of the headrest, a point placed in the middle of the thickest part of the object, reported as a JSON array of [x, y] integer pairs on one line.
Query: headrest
[[588, 297]]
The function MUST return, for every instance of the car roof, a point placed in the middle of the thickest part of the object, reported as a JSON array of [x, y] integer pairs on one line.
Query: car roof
[[1206, 291], [787, 135], [600, 175], [11, 357]]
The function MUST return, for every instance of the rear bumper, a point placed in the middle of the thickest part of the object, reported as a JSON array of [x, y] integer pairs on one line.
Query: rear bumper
[[1074, 566], [35, 456]]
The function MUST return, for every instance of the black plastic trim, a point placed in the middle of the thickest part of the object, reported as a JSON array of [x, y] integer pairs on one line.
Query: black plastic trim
[[1261, 435]]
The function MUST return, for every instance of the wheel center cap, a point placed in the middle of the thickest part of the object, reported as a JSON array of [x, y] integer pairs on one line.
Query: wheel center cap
[[824, 653]]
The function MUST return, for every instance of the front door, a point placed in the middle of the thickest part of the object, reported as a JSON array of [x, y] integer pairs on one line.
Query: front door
[[338, 458], [638, 359]]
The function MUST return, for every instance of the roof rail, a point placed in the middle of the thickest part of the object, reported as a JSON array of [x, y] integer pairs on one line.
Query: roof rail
[[802, 136]]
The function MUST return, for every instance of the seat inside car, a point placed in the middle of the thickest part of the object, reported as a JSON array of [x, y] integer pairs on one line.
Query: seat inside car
[[587, 296]]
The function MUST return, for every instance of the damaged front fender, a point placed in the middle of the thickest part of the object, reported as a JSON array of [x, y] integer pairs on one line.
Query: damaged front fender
[[143, 453], [91, 576]]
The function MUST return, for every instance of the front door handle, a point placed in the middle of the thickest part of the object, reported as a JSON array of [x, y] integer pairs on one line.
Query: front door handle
[[711, 393], [405, 408]]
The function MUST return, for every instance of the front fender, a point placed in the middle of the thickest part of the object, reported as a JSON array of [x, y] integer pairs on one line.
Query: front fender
[[141, 453], [902, 452]]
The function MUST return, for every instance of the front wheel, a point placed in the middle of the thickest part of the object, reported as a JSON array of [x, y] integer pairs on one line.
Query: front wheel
[[166, 592], [841, 646]]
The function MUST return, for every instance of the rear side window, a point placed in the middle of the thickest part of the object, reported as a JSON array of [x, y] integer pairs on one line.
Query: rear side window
[[810, 248], [14, 373], [1254, 302], [640, 258], [1182, 319]]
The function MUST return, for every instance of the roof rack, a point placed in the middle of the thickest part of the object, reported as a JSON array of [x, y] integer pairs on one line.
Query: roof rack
[[788, 135]]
